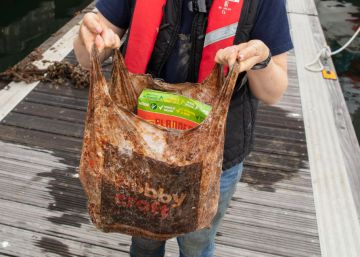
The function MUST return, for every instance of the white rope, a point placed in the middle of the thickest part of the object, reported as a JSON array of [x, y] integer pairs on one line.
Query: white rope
[[347, 43], [325, 53]]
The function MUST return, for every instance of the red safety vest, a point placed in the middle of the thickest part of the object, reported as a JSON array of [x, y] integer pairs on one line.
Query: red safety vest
[[224, 16]]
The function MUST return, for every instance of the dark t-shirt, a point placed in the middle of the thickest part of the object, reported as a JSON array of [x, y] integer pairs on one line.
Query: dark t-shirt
[[271, 27]]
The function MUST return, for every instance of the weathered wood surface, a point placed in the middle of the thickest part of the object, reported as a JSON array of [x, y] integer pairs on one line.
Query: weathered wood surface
[[333, 148], [303, 172], [44, 208], [307, 7]]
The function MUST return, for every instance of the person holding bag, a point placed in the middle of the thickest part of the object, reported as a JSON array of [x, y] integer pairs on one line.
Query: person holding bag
[[180, 41]]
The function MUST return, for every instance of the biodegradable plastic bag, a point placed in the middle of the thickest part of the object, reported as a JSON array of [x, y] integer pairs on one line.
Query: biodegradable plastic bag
[[142, 179]]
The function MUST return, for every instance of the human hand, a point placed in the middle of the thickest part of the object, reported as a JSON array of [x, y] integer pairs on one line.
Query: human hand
[[93, 30], [247, 54]]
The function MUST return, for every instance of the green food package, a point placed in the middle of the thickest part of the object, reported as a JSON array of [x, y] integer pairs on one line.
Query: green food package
[[171, 110]]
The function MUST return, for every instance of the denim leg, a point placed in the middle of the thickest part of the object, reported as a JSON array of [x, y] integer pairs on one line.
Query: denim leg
[[142, 247], [201, 243]]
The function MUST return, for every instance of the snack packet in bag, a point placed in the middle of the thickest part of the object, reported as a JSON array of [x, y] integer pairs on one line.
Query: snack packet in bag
[[171, 110]]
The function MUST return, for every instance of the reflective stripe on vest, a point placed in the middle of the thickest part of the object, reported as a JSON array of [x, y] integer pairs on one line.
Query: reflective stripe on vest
[[220, 34], [224, 16]]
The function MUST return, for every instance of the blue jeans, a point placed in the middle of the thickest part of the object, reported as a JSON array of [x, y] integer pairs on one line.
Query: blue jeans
[[200, 243]]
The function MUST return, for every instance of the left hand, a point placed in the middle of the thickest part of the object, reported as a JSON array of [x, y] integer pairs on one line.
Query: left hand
[[248, 54]]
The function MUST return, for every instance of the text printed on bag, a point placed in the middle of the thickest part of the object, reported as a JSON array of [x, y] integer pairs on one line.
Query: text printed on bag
[[157, 202]]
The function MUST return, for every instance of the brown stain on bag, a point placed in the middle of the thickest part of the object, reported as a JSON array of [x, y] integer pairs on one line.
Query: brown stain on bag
[[142, 179]]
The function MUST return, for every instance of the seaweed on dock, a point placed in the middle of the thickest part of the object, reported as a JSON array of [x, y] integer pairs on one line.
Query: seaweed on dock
[[58, 73], [65, 73], [25, 70]]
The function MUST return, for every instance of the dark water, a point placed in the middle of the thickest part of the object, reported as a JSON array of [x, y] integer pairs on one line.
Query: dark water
[[340, 20], [24, 24]]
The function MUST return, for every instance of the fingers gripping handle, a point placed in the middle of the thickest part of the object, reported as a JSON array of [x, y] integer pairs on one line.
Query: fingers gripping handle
[[226, 91]]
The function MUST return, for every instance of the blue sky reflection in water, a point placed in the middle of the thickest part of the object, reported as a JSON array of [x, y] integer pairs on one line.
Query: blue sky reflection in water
[[25, 24]]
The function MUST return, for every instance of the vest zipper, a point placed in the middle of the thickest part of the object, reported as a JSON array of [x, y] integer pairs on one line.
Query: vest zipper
[[171, 41]]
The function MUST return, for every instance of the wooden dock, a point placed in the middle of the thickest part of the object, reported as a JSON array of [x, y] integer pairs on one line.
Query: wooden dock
[[299, 195]]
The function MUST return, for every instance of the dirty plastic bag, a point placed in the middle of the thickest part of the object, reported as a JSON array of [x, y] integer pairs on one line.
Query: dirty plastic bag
[[143, 179]]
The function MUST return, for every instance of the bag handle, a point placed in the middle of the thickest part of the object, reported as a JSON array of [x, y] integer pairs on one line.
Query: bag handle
[[96, 79], [100, 96], [228, 86], [122, 89]]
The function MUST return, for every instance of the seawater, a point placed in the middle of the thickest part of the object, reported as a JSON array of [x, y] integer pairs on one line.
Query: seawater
[[340, 20], [25, 24]]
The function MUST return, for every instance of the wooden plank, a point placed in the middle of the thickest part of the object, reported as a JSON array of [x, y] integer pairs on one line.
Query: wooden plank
[[231, 251], [55, 100], [62, 91], [349, 143], [302, 7], [58, 127], [265, 179], [288, 176], [288, 221], [36, 155], [290, 100], [281, 147], [283, 163], [290, 200], [45, 140], [280, 112], [280, 122], [330, 137], [279, 133], [46, 111], [31, 243], [268, 241]]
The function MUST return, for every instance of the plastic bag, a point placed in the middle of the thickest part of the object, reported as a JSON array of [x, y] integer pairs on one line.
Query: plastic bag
[[143, 179]]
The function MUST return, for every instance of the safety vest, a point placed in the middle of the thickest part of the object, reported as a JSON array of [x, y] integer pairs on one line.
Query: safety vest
[[223, 20]]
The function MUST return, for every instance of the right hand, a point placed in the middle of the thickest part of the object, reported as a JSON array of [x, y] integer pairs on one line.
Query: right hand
[[93, 30]]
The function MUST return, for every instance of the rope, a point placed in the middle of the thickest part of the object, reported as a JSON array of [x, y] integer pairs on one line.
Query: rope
[[325, 53], [348, 43]]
